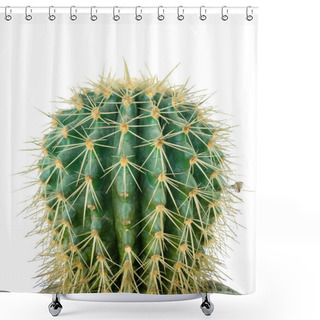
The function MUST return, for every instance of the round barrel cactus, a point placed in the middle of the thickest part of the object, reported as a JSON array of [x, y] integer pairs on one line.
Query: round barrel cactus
[[134, 191]]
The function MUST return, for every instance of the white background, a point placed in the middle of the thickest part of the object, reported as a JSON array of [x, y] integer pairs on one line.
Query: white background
[[288, 219]]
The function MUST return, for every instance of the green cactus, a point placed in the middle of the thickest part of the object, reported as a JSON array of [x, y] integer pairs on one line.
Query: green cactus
[[133, 191]]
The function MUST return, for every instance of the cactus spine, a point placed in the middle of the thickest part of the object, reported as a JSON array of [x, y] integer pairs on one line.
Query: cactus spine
[[133, 193]]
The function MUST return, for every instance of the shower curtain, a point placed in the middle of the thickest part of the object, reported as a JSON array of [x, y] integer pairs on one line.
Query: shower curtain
[[127, 149]]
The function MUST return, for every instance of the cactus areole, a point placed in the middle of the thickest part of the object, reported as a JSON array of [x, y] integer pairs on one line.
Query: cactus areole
[[133, 191]]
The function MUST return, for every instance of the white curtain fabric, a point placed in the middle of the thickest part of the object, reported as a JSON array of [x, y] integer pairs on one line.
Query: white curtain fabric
[[40, 60]]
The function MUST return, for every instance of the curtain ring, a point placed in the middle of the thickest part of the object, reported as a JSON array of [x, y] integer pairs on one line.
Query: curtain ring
[[224, 13], [138, 16], [7, 15], [160, 16], [28, 16], [249, 16], [116, 17], [203, 13], [93, 17], [180, 13], [73, 15], [52, 10]]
